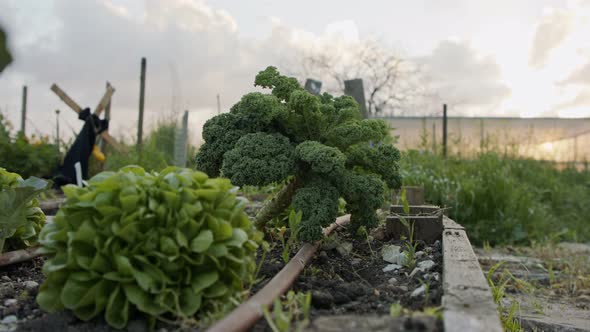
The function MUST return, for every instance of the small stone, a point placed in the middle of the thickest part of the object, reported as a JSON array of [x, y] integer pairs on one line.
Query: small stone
[[344, 248], [436, 276], [10, 302], [403, 288], [392, 281], [356, 261], [379, 233], [6, 278], [323, 257], [30, 284], [322, 299], [391, 267], [390, 253], [419, 254], [437, 244], [9, 319], [426, 265], [418, 291]]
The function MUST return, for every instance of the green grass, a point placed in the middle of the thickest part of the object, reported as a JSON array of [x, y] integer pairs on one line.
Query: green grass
[[503, 200]]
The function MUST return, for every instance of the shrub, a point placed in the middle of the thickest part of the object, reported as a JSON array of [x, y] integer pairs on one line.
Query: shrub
[[320, 142], [504, 200], [33, 156], [174, 243], [21, 218]]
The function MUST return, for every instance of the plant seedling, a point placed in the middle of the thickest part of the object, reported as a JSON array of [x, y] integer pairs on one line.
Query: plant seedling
[[292, 314]]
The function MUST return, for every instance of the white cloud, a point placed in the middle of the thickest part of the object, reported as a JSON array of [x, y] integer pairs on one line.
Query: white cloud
[[553, 29], [464, 78]]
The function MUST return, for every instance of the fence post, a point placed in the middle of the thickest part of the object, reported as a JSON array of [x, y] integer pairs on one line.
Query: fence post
[[445, 130], [57, 131], [180, 142], [23, 118], [218, 105], [107, 108], [355, 89], [434, 137], [141, 103]]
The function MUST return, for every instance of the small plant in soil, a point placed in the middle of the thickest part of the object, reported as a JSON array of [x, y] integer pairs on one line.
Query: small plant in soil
[[319, 146], [498, 287], [397, 310], [21, 218], [291, 314], [174, 246]]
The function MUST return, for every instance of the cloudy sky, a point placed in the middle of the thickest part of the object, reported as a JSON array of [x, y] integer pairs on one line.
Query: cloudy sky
[[494, 58]]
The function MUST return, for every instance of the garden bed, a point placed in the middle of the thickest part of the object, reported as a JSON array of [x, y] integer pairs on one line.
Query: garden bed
[[346, 279], [351, 286]]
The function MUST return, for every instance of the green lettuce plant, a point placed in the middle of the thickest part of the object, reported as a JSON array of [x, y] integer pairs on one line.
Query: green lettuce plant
[[21, 218], [170, 245]]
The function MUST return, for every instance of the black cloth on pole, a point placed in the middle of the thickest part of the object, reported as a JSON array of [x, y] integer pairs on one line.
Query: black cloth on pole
[[81, 150]]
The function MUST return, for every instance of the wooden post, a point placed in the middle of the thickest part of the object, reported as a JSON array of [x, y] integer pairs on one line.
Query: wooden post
[[434, 138], [107, 108], [141, 103], [481, 136], [23, 118], [445, 130], [57, 129], [180, 141], [218, 105]]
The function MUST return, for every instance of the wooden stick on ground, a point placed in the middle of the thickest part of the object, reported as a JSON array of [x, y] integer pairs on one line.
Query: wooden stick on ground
[[18, 256]]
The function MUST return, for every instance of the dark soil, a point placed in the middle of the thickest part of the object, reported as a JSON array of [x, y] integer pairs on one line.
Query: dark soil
[[17, 282], [354, 283]]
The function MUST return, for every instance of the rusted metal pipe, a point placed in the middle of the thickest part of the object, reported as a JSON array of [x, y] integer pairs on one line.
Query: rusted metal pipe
[[249, 312], [18, 256]]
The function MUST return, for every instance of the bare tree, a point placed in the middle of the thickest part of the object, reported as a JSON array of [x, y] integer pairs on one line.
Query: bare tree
[[390, 82]]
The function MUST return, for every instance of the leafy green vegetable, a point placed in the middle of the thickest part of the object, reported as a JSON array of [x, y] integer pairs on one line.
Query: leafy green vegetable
[[21, 218], [321, 143], [171, 243]]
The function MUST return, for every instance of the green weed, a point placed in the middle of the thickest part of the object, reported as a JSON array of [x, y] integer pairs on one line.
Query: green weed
[[502, 200], [290, 314]]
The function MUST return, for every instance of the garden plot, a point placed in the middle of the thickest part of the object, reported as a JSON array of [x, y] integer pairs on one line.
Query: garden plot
[[351, 277], [360, 282]]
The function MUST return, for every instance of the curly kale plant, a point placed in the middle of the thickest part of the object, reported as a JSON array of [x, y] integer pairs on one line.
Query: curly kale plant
[[174, 244], [21, 218], [320, 143]]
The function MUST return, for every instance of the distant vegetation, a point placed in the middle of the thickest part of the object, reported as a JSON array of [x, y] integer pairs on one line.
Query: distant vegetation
[[28, 156], [156, 153], [502, 200]]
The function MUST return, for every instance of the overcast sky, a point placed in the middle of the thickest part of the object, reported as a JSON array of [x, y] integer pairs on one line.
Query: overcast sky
[[498, 58]]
